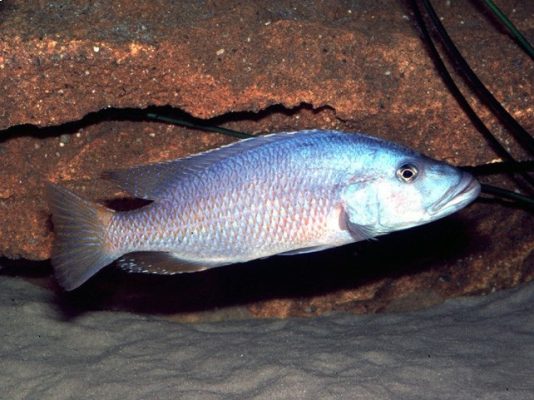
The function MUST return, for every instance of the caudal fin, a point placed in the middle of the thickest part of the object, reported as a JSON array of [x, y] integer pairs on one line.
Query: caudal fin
[[79, 250]]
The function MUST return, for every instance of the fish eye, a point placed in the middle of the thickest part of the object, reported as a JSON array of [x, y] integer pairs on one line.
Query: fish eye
[[407, 173]]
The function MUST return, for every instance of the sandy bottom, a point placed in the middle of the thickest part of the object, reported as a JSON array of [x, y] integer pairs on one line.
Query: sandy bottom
[[469, 348]]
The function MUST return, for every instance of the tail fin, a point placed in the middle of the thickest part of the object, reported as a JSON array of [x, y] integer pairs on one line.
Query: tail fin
[[80, 249]]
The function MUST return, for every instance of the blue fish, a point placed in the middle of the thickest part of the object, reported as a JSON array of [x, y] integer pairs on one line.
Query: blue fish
[[283, 193]]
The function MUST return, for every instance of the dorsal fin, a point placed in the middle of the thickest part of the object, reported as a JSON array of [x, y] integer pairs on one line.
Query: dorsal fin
[[152, 262], [144, 182], [150, 181]]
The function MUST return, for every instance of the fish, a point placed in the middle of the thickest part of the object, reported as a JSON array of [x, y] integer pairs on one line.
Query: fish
[[277, 194]]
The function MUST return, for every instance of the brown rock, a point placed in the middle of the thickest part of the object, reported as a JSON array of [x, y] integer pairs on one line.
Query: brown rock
[[259, 68]]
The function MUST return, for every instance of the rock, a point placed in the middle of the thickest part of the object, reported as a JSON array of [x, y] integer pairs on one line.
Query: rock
[[76, 80]]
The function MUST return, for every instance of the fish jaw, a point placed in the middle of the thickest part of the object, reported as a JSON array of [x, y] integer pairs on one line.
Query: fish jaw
[[467, 190]]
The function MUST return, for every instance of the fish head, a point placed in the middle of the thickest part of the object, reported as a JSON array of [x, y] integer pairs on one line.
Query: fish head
[[406, 189]]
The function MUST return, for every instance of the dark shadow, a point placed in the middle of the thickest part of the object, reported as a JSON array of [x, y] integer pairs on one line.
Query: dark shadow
[[126, 203], [140, 114], [506, 203], [25, 268]]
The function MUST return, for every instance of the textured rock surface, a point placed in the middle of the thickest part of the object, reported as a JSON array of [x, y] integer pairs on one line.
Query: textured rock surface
[[349, 66], [475, 348]]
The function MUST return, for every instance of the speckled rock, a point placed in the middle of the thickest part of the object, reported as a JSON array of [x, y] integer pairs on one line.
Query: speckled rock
[[258, 68]]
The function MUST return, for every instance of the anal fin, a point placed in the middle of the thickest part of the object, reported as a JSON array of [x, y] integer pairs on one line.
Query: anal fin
[[152, 262], [304, 250]]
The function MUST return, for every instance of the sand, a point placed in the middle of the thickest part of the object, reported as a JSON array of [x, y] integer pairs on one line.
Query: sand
[[468, 348]]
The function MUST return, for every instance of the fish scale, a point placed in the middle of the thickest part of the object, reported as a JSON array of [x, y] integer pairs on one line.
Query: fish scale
[[239, 218]]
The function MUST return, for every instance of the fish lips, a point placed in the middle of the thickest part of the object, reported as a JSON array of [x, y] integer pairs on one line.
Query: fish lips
[[457, 197]]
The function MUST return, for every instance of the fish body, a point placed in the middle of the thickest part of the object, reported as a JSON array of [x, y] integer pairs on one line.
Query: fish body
[[282, 193]]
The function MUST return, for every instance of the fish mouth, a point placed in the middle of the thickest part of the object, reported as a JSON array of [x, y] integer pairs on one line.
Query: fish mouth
[[457, 197]]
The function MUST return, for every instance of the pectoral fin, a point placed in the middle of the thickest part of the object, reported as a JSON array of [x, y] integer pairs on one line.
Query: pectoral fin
[[361, 232], [357, 217], [358, 232]]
